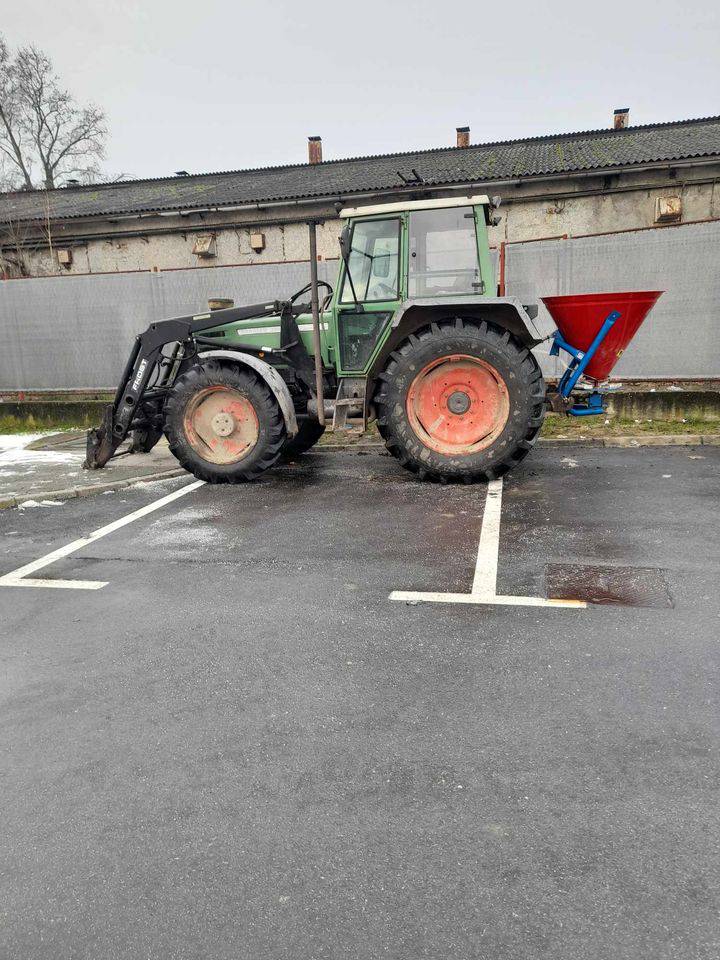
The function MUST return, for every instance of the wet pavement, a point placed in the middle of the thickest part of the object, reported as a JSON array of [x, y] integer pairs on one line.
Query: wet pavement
[[240, 747]]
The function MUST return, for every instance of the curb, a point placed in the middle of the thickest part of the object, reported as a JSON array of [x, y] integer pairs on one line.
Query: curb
[[91, 489], [641, 440], [638, 440]]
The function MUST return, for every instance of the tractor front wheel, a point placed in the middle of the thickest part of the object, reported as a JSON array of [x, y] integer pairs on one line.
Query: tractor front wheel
[[144, 440], [460, 400], [223, 423], [309, 432]]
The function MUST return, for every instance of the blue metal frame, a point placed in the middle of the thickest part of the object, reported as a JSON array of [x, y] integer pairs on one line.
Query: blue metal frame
[[593, 403]]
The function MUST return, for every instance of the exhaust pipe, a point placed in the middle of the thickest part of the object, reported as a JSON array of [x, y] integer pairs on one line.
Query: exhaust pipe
[[317, 346]]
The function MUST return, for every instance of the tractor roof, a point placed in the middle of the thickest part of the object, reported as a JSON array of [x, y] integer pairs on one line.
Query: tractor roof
[[401, 207]]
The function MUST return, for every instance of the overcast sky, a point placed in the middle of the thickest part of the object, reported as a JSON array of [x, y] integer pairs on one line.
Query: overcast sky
[[213, 85]]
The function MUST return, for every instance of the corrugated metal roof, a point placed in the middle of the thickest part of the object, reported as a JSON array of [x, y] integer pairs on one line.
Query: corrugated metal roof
[[480, 163]]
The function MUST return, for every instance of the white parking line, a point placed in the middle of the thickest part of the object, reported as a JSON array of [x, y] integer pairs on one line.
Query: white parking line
[[21, 577], [484, 587], [486, 565]]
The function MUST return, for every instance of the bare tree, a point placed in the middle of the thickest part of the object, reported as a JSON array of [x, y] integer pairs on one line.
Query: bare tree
[[14, 152], [44, 134]]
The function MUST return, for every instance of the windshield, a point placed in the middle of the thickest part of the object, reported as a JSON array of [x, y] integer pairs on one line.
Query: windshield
[[373, 261]]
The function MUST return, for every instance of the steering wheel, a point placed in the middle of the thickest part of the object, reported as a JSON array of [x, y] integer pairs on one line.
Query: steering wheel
[[308, 286]]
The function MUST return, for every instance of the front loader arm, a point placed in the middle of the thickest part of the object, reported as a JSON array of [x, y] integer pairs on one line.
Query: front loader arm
[[103, 441]]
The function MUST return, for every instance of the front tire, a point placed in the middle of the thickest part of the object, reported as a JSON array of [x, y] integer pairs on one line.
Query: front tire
[[460, 400], [309, 432], [144, 439], [223, 423]]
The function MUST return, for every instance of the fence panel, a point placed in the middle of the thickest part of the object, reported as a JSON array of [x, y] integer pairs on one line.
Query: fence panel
[[681, 337], [66, 333]]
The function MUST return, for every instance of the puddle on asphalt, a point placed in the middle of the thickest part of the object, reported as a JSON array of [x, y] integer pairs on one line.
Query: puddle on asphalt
[[619, 586]]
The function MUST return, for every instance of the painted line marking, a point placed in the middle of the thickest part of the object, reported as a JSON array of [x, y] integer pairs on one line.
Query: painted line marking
[[486, 565], [22, 576], [484, 586], [413, 596]]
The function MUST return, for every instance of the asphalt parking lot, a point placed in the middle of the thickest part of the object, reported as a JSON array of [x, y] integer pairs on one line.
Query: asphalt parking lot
[[242, 747]]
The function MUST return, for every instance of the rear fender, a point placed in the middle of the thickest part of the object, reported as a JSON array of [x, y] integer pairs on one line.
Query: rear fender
[[507, 312], [271, 377]]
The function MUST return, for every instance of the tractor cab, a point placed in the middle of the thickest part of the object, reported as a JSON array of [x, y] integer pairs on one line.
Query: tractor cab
[[420, 250]]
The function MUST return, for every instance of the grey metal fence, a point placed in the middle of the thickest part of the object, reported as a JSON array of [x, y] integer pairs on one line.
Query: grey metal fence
[[681, 337], [75, 332]]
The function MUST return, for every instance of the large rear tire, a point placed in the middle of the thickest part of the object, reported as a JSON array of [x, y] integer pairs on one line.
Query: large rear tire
[[460, 400], [223, 423], [309, 432]]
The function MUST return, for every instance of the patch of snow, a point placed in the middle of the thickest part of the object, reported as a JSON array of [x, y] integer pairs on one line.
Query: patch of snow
[[29, 504], [569, 462], [16, 441], [16, 456]]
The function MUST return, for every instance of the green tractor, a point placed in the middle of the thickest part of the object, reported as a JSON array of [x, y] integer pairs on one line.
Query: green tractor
[[412, 337]]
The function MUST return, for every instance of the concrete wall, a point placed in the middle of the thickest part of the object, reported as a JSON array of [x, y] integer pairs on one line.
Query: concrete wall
[[600, 205], [173, 248]]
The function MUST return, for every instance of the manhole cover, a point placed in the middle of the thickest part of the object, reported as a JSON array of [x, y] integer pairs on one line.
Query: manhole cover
[[621, 586]]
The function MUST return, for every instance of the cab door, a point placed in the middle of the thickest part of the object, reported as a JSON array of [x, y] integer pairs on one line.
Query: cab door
[[371, 290]]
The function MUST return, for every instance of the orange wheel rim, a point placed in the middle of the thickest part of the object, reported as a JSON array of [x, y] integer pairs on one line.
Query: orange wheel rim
[[458, 405], [221, 425]]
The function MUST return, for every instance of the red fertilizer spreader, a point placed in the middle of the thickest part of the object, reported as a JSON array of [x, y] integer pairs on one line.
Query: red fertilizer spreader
[[595, 329]]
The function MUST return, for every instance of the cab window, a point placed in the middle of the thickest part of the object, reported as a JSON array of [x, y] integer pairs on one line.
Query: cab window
[[443, 252], [373, 261]]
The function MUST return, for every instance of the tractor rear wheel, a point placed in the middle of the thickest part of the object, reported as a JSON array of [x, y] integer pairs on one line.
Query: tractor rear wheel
[[223, 423], [460, 400], [309, 432]]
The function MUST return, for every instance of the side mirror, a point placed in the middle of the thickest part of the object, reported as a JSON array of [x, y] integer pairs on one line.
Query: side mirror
[[345, 242]]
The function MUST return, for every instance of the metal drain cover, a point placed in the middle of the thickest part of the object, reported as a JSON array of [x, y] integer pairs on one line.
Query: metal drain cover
[[620, 586]]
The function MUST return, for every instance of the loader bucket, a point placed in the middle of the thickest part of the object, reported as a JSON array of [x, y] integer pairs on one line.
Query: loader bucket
[[580, 317], [99, 447]]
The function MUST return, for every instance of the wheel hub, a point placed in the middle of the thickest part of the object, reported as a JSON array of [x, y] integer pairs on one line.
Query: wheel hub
[[458, 405], [221, 425], [458, 402]]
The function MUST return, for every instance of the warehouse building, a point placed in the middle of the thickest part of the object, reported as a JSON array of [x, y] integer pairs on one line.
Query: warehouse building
[[567, 185], [623, 208]]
